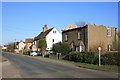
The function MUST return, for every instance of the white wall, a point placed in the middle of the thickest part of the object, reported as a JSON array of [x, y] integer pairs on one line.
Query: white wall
[[21, 46], [56, 36]]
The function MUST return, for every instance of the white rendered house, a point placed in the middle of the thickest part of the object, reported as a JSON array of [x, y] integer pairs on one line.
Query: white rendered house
[[51, 36]]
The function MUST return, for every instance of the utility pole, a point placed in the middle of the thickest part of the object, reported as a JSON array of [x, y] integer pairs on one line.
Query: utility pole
[[15, 43]]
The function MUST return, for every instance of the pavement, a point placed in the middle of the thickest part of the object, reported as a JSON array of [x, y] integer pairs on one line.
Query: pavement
[[8, 70], [37, 67]]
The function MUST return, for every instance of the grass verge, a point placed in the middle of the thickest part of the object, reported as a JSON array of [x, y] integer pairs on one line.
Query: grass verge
[[109, 68]]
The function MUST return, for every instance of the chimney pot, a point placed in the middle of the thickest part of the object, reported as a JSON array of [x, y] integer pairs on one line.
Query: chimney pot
[[45, 28]]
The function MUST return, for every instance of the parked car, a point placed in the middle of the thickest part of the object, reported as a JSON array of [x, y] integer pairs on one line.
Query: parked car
[[35, 53]]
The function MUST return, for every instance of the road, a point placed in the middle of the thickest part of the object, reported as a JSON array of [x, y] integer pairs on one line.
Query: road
[[36, 67]]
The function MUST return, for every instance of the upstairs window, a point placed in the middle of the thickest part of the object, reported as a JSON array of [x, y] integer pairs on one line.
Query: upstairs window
[[109, 32], [79, 35], [66, 37], [54, 31]]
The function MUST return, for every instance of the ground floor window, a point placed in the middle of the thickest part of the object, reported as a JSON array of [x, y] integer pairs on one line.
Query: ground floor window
[[79, 48], [109, 47]]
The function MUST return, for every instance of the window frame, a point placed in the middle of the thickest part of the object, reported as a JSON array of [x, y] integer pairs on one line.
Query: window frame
[[79, 35], [54, 31], [109, 49], [66, 37], [53, 40], [109, 32]]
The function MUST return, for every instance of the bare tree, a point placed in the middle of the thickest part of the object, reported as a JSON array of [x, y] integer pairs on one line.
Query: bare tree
[[80, 23]]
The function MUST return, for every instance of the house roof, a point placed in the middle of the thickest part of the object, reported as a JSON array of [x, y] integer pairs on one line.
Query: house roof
[[74, 29], [42, 34], [6, 45], [69, 27], [29, 40]]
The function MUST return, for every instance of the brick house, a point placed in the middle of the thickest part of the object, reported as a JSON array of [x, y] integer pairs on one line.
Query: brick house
[[28, 42], [90, 37]]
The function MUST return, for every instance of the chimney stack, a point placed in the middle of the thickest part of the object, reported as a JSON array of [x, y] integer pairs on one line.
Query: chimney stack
[[45, 28]]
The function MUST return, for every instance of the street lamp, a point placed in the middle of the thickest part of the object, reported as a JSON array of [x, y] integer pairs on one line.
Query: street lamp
[[99, 49]]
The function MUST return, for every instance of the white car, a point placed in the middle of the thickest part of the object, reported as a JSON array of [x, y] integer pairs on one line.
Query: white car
[[34, 53]]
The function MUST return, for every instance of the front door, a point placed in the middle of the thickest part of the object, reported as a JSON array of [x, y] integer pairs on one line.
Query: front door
[[79, 48]]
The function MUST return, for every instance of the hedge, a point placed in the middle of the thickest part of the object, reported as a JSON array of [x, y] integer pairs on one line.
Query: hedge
[[111, 58], [92, 58]]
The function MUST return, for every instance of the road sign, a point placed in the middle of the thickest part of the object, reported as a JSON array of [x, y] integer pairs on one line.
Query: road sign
[[99, 48]]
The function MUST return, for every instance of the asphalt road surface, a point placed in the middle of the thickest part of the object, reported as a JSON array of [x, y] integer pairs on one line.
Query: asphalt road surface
[[32, 67]]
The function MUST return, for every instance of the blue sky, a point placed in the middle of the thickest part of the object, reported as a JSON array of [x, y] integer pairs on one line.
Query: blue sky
[[22, 20]]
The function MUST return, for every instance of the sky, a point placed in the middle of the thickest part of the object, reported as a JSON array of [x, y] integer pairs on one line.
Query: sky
[[60, 0], [21, 20]]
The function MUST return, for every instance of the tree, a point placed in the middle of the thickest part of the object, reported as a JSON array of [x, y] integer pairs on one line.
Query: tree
[[10, 47], [57, 47], [65, 49], [62, 48], [42, 45]]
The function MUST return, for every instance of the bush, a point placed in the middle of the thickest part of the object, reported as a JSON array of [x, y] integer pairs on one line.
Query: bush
[[25, 52]]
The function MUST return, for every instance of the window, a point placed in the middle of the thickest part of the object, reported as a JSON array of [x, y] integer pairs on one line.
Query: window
[[52, 40], [109, 32], [109, 47], [79, 35], [66, 37], [54, 31], [34, 42]]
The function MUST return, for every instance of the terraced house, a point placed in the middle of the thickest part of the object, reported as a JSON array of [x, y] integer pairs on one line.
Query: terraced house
[[90, 37]]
